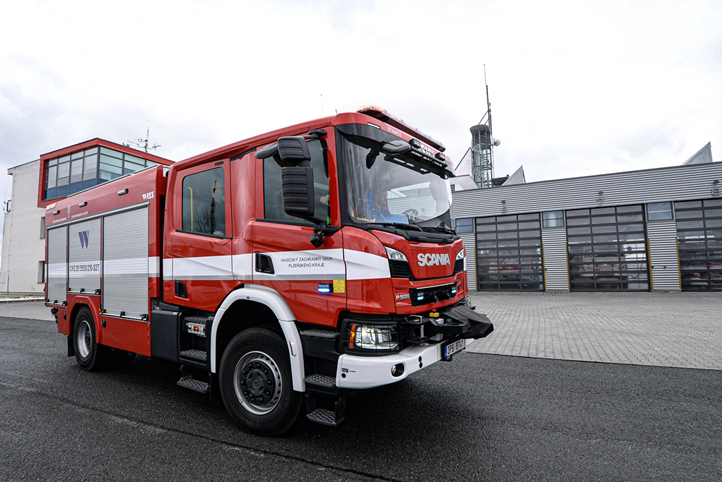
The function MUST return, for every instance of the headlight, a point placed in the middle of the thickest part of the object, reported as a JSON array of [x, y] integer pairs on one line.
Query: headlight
[[395, 255], [373, 338], [461, 254]]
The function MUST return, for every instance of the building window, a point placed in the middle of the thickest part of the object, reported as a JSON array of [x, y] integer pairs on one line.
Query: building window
[[41, 271], [464, 226], [553, 219], [83, 169], [42, 227], [659, 211]]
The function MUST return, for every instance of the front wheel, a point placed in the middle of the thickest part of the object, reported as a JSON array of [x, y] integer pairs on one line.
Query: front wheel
[[256, 384]]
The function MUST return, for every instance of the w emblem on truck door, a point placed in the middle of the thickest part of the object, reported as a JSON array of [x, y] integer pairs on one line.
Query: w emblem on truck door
[[84, 237]]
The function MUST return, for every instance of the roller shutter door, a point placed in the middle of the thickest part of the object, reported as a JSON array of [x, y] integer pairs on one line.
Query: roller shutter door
[[57, 264], [125, 263]]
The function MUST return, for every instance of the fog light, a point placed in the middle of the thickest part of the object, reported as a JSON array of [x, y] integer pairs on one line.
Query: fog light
[[397, 370]]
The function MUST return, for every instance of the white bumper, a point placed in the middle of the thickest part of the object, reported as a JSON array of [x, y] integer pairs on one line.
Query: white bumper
[[355, 371]]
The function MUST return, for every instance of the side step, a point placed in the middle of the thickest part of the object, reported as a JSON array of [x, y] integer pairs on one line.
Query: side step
[[192, 384], [324, 416], [195, 355]]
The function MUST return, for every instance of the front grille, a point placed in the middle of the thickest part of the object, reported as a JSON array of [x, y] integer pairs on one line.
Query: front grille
[[458, 266], [399, 269], [433, 294]]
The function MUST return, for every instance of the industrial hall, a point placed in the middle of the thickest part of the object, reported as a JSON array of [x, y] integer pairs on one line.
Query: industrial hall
[[647, 230]]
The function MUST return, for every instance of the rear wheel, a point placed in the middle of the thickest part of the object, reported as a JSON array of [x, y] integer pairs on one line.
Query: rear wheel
[[256, 384], [89, 355]]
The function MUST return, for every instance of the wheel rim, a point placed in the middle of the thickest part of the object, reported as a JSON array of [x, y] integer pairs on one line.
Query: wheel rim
[[257, 382], [84, 339]]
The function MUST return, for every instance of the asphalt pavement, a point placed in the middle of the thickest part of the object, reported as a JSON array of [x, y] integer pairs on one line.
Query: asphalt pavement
[[483, 416]]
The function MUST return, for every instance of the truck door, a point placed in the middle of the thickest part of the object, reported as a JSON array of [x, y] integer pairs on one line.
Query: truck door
[[200, 246], [311, 280]]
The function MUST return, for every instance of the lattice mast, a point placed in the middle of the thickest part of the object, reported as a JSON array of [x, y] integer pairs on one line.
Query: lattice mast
[[482, 147]]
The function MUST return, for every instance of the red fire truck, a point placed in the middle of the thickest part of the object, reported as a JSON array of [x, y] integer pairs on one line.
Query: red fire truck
[[296, 266]]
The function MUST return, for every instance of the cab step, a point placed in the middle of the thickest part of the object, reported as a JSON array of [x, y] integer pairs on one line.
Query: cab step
[[321, 385], [192, 384]]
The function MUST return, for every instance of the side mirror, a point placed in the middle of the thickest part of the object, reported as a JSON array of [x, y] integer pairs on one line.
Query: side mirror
[[298, 193], [287, 151], [395, 148]]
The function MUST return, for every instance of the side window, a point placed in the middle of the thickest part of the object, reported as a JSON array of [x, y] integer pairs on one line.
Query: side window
[[204, 202], [273, 195]]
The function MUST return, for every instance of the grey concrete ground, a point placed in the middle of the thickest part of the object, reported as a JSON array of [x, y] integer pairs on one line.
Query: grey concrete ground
[[34, 310], [659, 329]]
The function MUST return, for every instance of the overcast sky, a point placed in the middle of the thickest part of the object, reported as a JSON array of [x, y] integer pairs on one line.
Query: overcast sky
[[577, 88]]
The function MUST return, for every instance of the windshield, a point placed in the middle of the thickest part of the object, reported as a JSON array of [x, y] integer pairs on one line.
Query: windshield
[[384, 192]]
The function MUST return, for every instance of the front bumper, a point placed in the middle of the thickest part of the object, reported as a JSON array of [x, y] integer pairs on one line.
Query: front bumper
[[360, 372]]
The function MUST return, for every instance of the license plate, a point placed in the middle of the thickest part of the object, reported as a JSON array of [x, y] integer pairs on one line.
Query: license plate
[[447, 351]]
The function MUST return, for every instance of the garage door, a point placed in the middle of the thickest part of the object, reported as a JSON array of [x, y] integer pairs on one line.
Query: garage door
[[699, 230], [607, 249], [508, 253]]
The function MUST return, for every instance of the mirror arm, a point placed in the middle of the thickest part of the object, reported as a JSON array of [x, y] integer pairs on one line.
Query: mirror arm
[[322, 229]]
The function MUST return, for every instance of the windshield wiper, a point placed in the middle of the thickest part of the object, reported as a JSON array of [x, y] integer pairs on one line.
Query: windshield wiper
[[440, 229], [400, 225]]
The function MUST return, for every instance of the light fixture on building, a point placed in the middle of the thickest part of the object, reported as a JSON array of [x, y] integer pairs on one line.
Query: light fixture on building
[[716, 190], [503, 206], [600, 198]]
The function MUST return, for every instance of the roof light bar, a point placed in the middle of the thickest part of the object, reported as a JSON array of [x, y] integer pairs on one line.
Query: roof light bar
[[383, 115]]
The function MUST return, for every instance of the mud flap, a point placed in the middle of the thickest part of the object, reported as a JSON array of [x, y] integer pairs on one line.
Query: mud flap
[[479, 325]]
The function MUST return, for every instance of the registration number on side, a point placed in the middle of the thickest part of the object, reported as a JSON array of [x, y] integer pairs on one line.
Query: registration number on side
[[451, 349]]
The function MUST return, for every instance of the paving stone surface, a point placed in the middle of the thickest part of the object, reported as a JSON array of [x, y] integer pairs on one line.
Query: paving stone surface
[[664, 329], [661, 329]]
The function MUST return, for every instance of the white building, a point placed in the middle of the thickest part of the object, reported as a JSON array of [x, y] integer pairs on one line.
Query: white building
[[22, 268]]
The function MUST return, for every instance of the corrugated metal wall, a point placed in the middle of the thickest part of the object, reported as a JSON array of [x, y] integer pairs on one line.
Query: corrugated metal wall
[[662, 237], [469, 241], [653, 185], [556, 266]]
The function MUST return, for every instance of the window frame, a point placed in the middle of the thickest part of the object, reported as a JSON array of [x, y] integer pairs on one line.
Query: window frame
[[470, 225], [652, 217], [226, 205], [546, 220]]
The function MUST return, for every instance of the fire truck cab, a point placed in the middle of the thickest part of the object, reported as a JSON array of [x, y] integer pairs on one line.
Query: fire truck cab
[[285, 270]]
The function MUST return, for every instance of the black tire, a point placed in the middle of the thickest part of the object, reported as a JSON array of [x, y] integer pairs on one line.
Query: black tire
[[89, 355], [256, 384]]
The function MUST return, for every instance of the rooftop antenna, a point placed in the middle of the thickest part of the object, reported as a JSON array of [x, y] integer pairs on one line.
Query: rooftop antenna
[[143, 143], [482, 147]]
